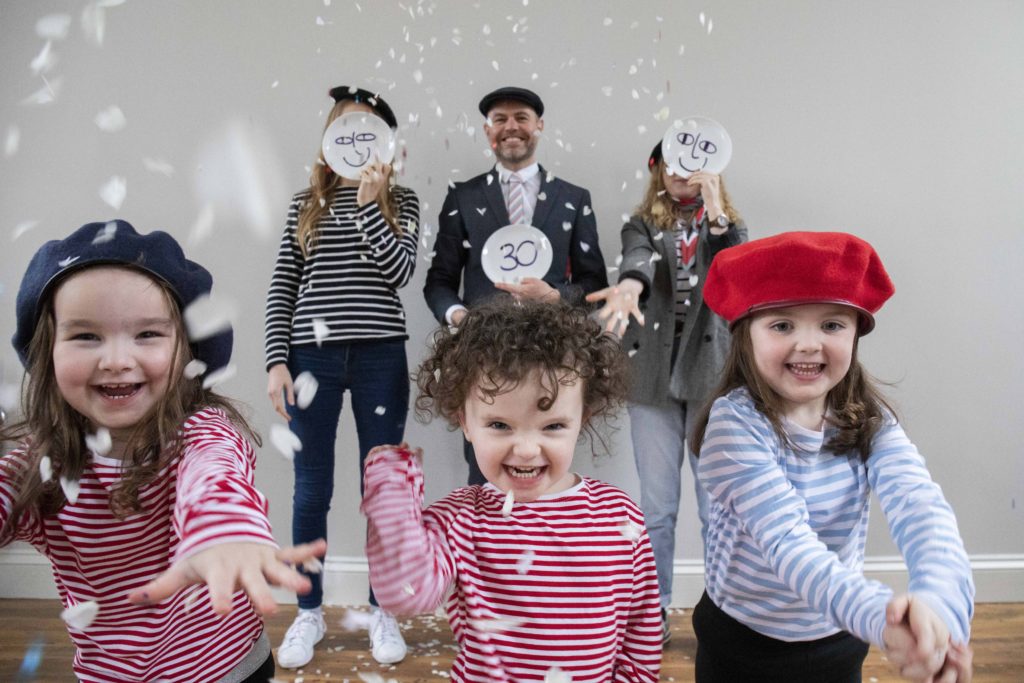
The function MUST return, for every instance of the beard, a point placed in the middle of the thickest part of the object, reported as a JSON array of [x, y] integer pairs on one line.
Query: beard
[[517, 154]]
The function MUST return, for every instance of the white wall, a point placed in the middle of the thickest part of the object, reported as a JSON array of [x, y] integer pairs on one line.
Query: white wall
[[898, 121]]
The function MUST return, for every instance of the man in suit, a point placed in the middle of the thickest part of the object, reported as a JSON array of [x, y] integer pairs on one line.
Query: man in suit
[[516, 190]]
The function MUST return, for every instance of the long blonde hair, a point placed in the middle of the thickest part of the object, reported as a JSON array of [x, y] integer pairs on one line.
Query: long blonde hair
[[51, 427], [660, 210], [322, 183]]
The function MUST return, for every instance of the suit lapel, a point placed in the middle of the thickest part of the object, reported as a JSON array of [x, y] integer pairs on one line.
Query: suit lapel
[[548, 190], [495, 200]]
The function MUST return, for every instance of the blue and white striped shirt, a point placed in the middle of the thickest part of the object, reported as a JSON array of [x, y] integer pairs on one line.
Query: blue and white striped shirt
[[786, 529]]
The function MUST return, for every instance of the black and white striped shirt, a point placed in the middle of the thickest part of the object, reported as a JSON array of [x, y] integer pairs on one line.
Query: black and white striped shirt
[[346, 289]]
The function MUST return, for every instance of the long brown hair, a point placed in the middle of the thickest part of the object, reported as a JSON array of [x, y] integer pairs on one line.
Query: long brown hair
[[51, 427], [322, 183], [856, 406], [660, 210]]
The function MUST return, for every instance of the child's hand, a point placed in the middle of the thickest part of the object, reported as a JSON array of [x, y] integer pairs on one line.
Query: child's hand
[[226, 567], [281, 388], [959, 665], [620, 302], [916, 639], [372, 180], [530, 288]]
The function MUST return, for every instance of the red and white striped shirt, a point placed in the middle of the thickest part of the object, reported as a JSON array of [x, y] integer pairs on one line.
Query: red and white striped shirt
[[567, 580], [203, 498]]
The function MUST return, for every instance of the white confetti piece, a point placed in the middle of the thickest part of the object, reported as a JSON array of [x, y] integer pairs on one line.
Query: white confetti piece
[[11, 141], [71, 489], [53, 26], [466, 244], [710, 25], [693, 279], [21, 228], [207, 316], [190, 600], [702, 19], [194, 368], [45, 95], [94, 22], [275, 84], [607, 21], [113, 192], [494, 625], [587, 211], [355, 620], [490, 179], [506, 508], [106, 233], [219, 376], [408, 589], [111, 119], [556, 675], [80, 616], [628, 528], [45, 468], [494, 64], [481, 210], [202, 227], [313, 565], [285, 441], [44, 61], [158, 166], [657, 325], [417, 76], [100, 442], [569, 206], [567, 226], [541, 196], [607, 90], [305, 389], [380, 410], [525, 561], [585, 247]]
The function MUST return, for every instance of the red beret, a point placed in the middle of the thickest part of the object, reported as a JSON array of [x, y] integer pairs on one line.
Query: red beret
[[798, 268]]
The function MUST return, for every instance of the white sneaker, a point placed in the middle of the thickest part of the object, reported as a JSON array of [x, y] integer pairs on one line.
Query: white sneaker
[[297, 647], [386, 642]]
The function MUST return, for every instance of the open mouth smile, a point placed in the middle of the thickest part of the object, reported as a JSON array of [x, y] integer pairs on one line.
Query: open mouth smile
[[806, 369], [524, 472], [118, 391]]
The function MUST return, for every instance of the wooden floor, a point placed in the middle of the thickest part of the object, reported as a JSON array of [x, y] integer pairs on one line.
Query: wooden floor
[[33, 626]]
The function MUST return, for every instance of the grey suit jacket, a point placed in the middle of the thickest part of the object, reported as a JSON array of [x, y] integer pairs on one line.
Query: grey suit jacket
[[473, 210], [657, 378]]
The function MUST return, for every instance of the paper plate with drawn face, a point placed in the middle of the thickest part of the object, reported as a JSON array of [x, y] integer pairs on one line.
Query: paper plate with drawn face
[[354, 140], [696, 143], [515, 252]]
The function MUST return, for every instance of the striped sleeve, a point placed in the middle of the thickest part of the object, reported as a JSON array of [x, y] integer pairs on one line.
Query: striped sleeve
[[394, 255], [639, 657], [924, 528], [28, 527], [284, 288], [739, 470], [411, 566], [217, 501]]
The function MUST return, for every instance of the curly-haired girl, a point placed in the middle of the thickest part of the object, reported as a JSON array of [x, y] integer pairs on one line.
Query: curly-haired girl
[[543, 568]]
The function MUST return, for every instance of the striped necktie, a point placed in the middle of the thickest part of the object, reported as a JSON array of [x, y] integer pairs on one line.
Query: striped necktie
[[516, 199]]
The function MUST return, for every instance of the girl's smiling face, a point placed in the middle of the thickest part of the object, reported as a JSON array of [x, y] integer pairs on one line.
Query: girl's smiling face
[[803, 352], [519, 447], [114, 346]]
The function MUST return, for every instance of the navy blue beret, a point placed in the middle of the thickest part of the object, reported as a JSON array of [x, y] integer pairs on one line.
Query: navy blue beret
[[654, 158], [116, 243], [376, 102], [528, 97]]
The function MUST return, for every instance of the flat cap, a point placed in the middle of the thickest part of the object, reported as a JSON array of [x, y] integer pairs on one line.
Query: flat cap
[[523, 95]]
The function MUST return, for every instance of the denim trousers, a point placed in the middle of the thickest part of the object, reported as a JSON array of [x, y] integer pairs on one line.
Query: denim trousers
[[659, 448], [376, 375]]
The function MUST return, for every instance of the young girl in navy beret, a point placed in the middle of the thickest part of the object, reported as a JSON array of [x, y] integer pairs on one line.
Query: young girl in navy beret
[[131, 476], [796, 438]]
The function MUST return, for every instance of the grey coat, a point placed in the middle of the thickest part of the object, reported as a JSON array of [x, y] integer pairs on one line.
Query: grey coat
[[656, 377]]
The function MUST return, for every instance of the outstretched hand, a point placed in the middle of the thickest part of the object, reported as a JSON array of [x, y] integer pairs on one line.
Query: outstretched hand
[[225, 568], [530, 288], [916, 639], [620, 302]]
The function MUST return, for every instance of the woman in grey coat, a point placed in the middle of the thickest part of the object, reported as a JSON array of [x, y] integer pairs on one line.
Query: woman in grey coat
[[676, 344]]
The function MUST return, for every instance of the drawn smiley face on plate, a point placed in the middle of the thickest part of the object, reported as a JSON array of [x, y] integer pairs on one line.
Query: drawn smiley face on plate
[[694, 144], [356, 139]]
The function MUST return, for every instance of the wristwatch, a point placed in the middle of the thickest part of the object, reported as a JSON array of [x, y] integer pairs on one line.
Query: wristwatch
[[721, 222]]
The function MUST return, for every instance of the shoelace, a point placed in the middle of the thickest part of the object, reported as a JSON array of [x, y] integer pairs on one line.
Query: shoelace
[[296, 630], [387, 629]]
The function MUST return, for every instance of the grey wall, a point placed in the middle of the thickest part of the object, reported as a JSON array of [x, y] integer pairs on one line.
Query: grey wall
[[901, 122]]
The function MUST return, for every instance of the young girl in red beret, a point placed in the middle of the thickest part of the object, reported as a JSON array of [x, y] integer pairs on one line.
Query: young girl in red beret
[[796, 438], [133, 477]]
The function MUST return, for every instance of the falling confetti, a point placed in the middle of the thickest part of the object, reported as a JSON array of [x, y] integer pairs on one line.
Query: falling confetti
[[32, 659], [305, 389], [100, 442], [21, 228], [541, 196], [11, 141], [630, 529], [355, 620], [567, 226], [203, 225], [587, 211], [285, 441], [219, 376], [494, 625], [206, 317], [525, 561], [585, 247], [693, 280], [111, 119], [106, 233], [158, 166], [190, 599], [114, 191], [71, 489], [80, 616], [556, 675], [45, 95], [506, 508], [194, 368], [380, 410], [408, 589], [313, 565], [569, 205], [710, 25], [53, 26], [45, 468], [44, 61], [481, 210], [466, 244]]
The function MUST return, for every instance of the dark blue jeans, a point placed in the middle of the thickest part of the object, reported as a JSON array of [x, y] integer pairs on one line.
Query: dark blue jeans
[[376, 374]]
